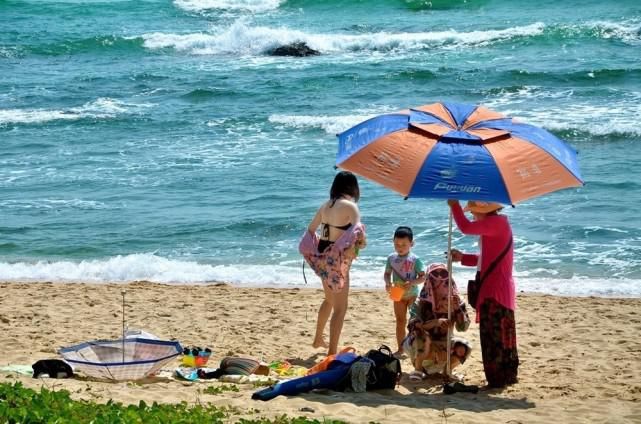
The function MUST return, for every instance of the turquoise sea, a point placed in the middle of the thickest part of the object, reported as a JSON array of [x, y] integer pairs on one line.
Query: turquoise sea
[[157, 140]]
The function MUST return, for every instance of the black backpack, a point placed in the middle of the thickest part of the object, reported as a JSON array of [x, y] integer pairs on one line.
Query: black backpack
[[386, 371], [54, 368]]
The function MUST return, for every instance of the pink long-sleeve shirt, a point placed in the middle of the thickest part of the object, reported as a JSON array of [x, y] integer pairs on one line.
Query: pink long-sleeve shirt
[[495, 232]]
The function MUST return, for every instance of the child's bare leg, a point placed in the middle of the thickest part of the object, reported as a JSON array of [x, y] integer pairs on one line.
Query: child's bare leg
[[400, 313], [422, 355], [454, 361]]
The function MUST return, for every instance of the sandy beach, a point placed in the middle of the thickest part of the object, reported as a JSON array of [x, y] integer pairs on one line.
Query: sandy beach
[[579, 356]]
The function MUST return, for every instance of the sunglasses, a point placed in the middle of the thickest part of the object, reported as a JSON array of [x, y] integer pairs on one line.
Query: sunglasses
[[439, 273]]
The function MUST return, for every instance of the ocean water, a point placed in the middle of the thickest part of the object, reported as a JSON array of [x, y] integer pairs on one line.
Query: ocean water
[[156, 139]]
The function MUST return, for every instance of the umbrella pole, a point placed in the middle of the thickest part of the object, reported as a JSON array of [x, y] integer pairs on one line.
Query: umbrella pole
[[123, 326], [449, 295]]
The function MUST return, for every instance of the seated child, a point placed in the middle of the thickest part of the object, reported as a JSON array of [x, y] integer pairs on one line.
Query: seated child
[[434, 360], [428, 316], [403, 269]]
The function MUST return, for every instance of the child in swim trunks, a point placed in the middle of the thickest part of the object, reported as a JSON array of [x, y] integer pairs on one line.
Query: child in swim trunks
[[403, 269]]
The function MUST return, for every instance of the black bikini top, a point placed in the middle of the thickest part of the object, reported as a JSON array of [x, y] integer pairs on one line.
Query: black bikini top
[[325, 229]]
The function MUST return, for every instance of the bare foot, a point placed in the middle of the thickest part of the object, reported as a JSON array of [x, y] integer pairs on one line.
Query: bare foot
[[320, 343]]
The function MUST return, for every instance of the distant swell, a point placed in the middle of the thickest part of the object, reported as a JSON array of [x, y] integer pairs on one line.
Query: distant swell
[[409, 4], [587, 77], [204, 94], [92, 45], [253, 6], [257, 6]]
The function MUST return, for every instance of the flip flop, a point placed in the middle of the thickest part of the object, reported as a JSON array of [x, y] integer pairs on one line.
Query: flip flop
[[451, 388], [417, 376]]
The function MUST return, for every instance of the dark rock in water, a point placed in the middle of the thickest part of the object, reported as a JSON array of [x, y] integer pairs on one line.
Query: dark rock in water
[[298, 49]]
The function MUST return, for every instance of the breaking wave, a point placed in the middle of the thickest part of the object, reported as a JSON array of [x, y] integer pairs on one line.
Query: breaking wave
[[243, 39], [149, 267], [101, 108]]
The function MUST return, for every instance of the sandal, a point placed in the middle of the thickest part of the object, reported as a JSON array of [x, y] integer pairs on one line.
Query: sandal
[[451, 388], [417, 375]]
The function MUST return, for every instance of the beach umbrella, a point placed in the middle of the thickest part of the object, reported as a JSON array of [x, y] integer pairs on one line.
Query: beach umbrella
[[458, 151], [128, 358], [122, 359]]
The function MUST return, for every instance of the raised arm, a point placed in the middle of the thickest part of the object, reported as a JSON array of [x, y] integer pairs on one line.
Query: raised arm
[[476, 228]]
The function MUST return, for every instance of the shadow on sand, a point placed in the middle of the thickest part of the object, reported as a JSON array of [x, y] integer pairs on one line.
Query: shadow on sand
[[424, 394]]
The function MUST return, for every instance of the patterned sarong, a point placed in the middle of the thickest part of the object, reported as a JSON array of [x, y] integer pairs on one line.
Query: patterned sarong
[[332, 265], [498, 344]]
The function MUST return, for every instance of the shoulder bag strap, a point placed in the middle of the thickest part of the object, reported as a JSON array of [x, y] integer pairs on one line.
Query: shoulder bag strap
[[495, 262]]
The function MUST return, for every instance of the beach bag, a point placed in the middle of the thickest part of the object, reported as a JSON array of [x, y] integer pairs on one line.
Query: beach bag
[[386, 370], [54, 368], [474, 286]]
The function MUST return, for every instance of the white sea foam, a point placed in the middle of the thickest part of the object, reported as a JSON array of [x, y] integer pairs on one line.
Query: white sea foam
[[529, 93], [330, 124], [51, 204], [616, 121], [619, 117], [101, 108], [149, 267], [8, 52], [626, 31], [595, 228], [243, 39], [581, 286], [254, 6]]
